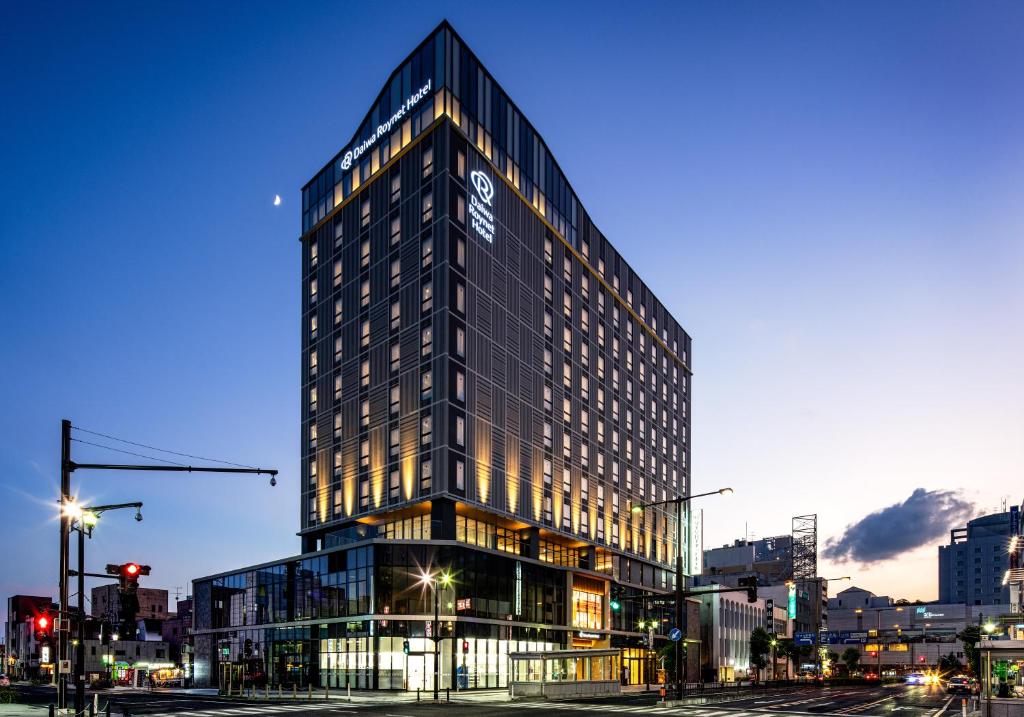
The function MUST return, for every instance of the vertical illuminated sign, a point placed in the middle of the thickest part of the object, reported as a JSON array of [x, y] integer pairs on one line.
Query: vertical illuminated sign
[[519, 588], [792, 601]]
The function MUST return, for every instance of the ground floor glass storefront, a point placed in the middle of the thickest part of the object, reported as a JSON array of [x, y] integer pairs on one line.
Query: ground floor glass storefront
[[361, 618]]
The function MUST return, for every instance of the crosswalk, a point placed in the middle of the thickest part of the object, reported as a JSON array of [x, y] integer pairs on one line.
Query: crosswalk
[[689, 711], [269, 709]]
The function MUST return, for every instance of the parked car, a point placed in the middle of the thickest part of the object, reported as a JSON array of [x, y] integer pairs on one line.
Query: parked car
[[961, 684], [871, 676]]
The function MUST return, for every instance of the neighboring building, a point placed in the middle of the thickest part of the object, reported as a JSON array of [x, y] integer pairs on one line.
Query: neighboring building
[[106, 603], [129, 658], [727, 620], [854, 597], [487, 389], [26, 657], [900, 635], [972, 567], [768, 558], [177, 629]]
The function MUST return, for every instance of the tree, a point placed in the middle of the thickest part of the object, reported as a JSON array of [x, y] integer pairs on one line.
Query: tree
[[667, 655], [970, 637], [760, 646], [851, 658], [949, 664], [833, 658]]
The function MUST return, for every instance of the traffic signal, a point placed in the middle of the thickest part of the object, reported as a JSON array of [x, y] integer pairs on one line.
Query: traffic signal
[[465, 646], [405, 646], [43, 627], [750, 583], [615, 602]]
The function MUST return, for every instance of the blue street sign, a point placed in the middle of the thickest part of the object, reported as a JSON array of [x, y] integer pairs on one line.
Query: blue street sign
[[675, 634], [803, 638]]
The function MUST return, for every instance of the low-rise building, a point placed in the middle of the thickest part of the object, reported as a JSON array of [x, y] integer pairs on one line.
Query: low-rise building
[[726, 620], [27, 657]]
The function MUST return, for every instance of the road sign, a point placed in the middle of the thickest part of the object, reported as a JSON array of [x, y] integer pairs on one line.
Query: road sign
[[803, 638], [65, 667], [769, 615], [675, 634]]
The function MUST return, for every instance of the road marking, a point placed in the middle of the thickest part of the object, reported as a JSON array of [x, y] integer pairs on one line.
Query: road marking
[[943, 708]]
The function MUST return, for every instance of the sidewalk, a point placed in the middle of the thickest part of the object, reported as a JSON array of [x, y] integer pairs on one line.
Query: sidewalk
[[17, 710]]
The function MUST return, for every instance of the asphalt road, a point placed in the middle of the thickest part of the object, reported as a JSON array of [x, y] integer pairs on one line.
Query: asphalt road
[[882, 701]]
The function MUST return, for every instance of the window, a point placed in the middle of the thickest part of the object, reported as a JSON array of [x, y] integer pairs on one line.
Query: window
[[428, 207], [548, 250], [460, 342], [337, 425], [313, 256], [460, 386], [426, 385], [364, 413], [312, 363], [428, 162], [394, 399], [427, 251], [460, 209], [312, 399], [337, 312], [426, 475], [337, 349], [364, 253], [364, 373], [364, 453], [427, 341], [549, 323], [426, 431], [460, 431], [365, 334], [460, 165], [396, 273], [312, 437], [312, 290], [337, 387], [460, 297], [460, 253], [396, 315], [427, 300], [312, 327], [364, 212], [396, 230], [460, 474], [396, 188], [396, 353]]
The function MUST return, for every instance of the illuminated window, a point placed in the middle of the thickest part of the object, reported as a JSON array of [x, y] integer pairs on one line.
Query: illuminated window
[[427, 299], [426, 475], [460, 165], [312, 363], [364, 413], [460, 252], [364, 453], [426, 385], [460, 474], [460, 342], [460, 431], [364, 293], [460, 209], [396, 354], [312, 327], [337, 425], [364, 253], [427, 252], [337, 273], [337, 387], [428, 161], [312, 437], [394, 399], [313, 256], [337, 311], [427, 341], [337, 349], [396, 315], [427, 207], [365, 334], [364, 373], [460, 297], [460, 386], [426, 430], [312, 290], [312, 399], [364, 212]]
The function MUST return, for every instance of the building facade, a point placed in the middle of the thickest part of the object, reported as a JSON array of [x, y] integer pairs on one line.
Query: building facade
[[488, 389], [106, 603], [973, 566], [727, 620], [26, 656]]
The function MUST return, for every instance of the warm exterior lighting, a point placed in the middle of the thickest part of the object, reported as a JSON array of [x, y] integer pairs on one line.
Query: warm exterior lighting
[[725, 491], [990, 627], [446, 579]]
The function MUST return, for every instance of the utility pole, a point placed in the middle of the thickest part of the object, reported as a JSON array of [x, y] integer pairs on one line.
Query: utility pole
[[67, 467], [65, 525]]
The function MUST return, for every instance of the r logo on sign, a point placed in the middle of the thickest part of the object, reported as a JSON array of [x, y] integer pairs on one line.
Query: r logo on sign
[[482, 185]]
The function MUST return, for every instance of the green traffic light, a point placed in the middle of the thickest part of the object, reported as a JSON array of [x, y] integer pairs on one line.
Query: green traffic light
[[614, 605]]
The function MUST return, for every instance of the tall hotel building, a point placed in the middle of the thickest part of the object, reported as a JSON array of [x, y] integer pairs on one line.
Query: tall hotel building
[[487, 390]]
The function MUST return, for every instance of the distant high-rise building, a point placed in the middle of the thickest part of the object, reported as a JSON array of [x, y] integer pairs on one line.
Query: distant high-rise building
[[973, 565]]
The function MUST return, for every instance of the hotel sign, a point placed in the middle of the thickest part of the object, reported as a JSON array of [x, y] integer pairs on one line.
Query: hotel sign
[[354, 153], [481, 217]]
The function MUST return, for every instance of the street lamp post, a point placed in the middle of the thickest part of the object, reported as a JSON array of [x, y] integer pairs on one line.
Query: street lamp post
[[680, 615], [445, 579], [878, 634]]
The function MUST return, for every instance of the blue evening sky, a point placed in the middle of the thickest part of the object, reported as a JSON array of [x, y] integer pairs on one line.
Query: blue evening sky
[[826, 195]]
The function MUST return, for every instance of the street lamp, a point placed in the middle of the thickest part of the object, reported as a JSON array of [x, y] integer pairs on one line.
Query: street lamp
[[86, 518], [445, 579], [678, 501]]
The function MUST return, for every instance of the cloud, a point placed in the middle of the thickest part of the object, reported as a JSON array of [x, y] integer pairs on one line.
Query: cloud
[[921, 519]]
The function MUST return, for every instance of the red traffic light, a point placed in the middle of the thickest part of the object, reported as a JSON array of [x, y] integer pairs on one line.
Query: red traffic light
[[465, 645], [131, 569], [42, 622]]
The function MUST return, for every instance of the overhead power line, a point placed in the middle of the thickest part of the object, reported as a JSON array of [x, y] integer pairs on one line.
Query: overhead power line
[[154, 448]]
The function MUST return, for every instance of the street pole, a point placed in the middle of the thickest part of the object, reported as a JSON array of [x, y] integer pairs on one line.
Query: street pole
[[80, 647], [680, 611], [436, 635], [65, 525]]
